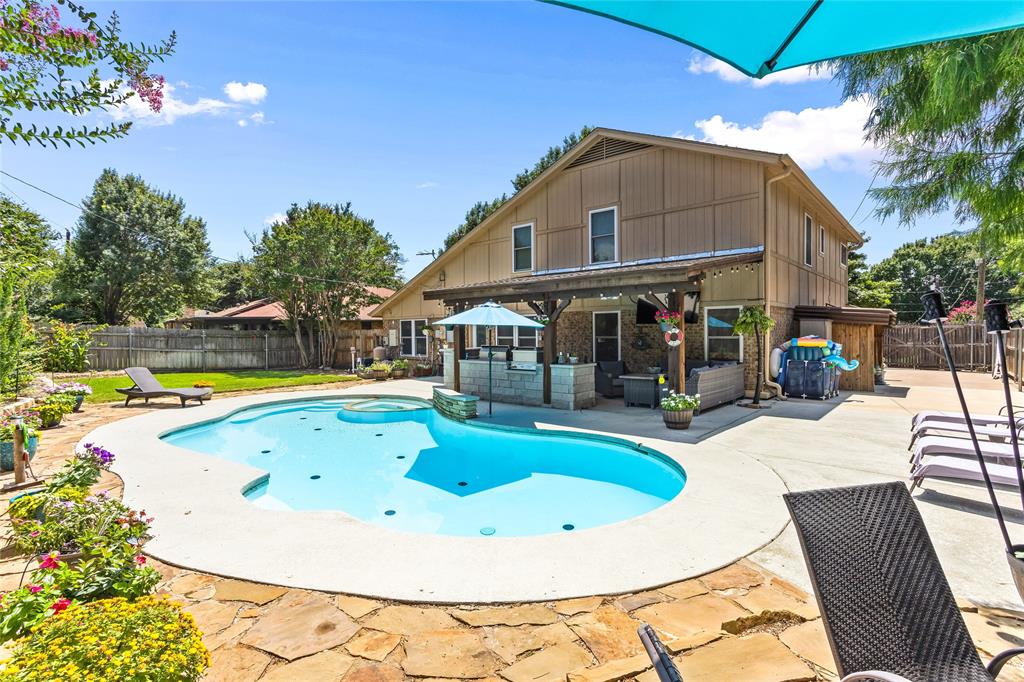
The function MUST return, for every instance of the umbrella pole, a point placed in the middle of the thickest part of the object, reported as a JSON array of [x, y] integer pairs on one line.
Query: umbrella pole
[[490, 386], [974, 436]]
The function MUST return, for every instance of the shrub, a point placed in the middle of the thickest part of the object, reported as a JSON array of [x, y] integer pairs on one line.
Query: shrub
[[7, 430], [94, 525], [379, 366], [24, 607], [111, 639], [400, 363], [67, 347], [677, 402]]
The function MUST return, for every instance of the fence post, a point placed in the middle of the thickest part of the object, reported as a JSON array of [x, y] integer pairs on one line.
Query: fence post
[[266, 350], [1020, 357], [130, 363], [202, 351]]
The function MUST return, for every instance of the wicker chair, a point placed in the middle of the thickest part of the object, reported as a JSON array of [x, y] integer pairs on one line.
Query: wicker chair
[[884, 600]]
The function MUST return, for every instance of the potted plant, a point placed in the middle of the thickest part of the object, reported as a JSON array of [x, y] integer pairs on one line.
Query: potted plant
[[423, 369], [379, 370], [7, 443], [754, 320], [677, 410], [75, 389], [668, 319], [399, 368], [51, 413]]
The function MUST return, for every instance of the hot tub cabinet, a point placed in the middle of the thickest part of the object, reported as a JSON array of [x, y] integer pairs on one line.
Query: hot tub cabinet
[[572, 386]]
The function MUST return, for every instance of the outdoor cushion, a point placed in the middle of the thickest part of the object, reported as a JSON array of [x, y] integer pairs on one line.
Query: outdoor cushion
[[944, 445]]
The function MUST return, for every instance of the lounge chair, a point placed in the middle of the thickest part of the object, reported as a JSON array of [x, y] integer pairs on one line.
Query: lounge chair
[[146, 386], [1001, 453], [958, 417], [884, 600], [959, 429], [962, 469]]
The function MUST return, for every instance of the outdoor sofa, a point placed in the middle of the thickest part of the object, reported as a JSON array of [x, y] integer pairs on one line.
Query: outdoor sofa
[[717, 381], [607, 379], [146, 387]]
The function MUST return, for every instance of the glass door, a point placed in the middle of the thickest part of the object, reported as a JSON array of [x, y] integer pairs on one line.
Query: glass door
[[606, 336]]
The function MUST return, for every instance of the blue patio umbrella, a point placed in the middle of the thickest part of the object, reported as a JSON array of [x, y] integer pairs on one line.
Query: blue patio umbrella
[[489, 314], [761, 37]]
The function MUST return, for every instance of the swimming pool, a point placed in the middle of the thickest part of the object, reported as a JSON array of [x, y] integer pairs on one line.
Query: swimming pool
[[397, 463]]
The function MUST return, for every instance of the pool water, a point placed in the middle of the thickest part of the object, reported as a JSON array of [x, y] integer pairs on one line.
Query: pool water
[[398, 463]]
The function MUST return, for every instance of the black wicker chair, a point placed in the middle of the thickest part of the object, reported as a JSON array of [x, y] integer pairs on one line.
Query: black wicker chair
[[884, 600]]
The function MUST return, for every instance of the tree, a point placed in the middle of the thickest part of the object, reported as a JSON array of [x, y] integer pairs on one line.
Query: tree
[[50, 67], [232, 284], [15, 336], [319, 262], [948, 261], [754, 320], [864, 290], [27, 253], [949, 119], [135, 255], [481, 210]]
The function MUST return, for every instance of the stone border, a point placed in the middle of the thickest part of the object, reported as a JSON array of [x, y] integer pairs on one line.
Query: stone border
[[728, 508]]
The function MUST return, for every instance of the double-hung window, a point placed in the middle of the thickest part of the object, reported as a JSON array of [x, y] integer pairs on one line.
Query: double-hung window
[[507, 335], [413, 340], [604, 230], [808, 240], [844, 254], [522, 247], [721, 342]]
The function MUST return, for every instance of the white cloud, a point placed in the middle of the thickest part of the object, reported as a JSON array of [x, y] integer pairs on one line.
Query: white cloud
[[830, 136], [275, 218], [249, 93], [258, 118], [172, 109], [429, 184], [701, 64]]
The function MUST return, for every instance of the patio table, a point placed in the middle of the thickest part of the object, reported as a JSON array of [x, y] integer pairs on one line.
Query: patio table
[[641, 389]]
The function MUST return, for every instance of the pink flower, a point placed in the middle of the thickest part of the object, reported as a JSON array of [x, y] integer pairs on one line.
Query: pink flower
[[34, 534], [140, 560], [60, 605], [35, 589], [51, 561]]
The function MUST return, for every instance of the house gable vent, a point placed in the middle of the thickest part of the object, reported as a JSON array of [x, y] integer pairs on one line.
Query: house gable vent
[[606, 148]]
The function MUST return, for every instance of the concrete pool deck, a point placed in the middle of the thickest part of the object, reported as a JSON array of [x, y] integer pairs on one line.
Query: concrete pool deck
[[205, 524]]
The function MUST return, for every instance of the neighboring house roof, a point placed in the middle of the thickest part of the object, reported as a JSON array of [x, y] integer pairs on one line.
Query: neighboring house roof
[[269, 310], [586, 146]]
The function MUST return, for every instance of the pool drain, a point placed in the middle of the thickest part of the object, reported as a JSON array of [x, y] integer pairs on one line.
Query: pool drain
[[378, 434], [315, 477], [463, 483], [486, 530], [400, 457], [568, 526], [264, 452], [389, 512], [318, 428]]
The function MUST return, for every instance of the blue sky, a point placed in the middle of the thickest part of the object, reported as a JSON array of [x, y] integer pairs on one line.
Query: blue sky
[[414, 111]]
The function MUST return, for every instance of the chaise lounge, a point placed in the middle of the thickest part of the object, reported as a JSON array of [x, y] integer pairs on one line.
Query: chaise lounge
[[146, 387]]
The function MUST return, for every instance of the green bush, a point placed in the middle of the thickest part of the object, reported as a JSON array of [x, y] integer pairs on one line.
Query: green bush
[[678, 402], [67, 347]]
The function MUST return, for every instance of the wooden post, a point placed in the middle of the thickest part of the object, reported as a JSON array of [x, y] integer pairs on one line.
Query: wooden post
[[552, 310], [457, 355], [266, 350], [130, 363], [681, 348], [202, 351], [19, 451]]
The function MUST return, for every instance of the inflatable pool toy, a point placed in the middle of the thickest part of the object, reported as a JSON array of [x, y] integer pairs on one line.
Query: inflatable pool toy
[[817, 361]]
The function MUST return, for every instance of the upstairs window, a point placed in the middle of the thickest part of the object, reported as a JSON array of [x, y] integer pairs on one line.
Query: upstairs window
[[603, 232], [821, 239], [808, 240], [844, 254], [522, 247]]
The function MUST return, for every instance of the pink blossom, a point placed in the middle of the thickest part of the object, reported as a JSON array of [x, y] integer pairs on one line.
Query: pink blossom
[[140, 560], [60, 605], [51, 561], [35, 589]]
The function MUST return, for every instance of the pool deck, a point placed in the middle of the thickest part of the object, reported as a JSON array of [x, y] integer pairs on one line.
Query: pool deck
[[261, 632]]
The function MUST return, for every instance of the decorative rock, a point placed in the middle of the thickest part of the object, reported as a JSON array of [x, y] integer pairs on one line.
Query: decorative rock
[[511, 643], [571, 607], [357, 607], [527, 614], [448, 653], [612, 670], [676, 620], [326, 666], [676, 646], [190, 582], [733, 576], [632, 602], [756, 658], [609, 633], [217, 640], [684, 590], [300, 625], [808, 641], [236, 664], [249, 612], [767, 598], [409, 620], [375, 672], [211, 616], [372, 644], [241, 590], [549, 665]]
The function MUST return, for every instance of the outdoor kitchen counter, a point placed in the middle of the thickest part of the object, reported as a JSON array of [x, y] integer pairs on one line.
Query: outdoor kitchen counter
[[572, 386]]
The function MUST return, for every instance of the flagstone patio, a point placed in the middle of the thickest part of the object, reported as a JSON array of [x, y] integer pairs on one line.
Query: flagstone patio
[[740, 622]]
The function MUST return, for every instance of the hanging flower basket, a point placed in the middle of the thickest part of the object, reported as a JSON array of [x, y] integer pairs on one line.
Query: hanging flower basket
[[667, 320]]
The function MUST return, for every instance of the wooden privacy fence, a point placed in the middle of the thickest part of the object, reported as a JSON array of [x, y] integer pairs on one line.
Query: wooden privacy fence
[[1015, 357], [191, 349], [916, 346]]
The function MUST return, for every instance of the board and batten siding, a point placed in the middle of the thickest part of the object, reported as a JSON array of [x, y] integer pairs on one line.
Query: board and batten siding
[[791, 281], [670, 202]]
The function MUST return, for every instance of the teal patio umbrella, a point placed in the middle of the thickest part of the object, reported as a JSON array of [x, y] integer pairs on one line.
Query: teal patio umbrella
[[759, 38], [489, 314]]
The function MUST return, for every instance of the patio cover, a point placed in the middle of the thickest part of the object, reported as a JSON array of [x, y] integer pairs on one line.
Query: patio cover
[[760, 37]]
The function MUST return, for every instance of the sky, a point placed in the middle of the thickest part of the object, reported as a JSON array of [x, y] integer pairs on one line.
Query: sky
[[413, 111]]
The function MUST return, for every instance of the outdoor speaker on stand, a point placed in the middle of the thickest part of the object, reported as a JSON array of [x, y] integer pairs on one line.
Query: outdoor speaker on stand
[[935, 313], [997, 323]]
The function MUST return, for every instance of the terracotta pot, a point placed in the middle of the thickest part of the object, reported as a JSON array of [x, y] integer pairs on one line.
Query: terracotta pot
[[677, 419]]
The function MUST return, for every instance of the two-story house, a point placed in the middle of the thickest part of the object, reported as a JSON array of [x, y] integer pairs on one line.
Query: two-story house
[[626, 223]]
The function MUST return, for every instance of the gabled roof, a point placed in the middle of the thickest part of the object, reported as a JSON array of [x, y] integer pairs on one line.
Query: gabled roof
[[269, 310], [595, 136]]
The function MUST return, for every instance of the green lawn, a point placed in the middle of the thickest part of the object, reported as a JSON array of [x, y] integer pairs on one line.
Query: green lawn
[[103, 387]]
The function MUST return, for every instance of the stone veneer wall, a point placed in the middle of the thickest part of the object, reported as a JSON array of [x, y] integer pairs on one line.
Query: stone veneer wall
[[572, 386], [575, 335]]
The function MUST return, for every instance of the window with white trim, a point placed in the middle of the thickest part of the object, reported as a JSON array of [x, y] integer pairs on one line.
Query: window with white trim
[[522, 247], [412, 339], [844, 254], [479, 337], [821, 239], [507, 335], [604, 231], [721, 342], [808, 240]]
